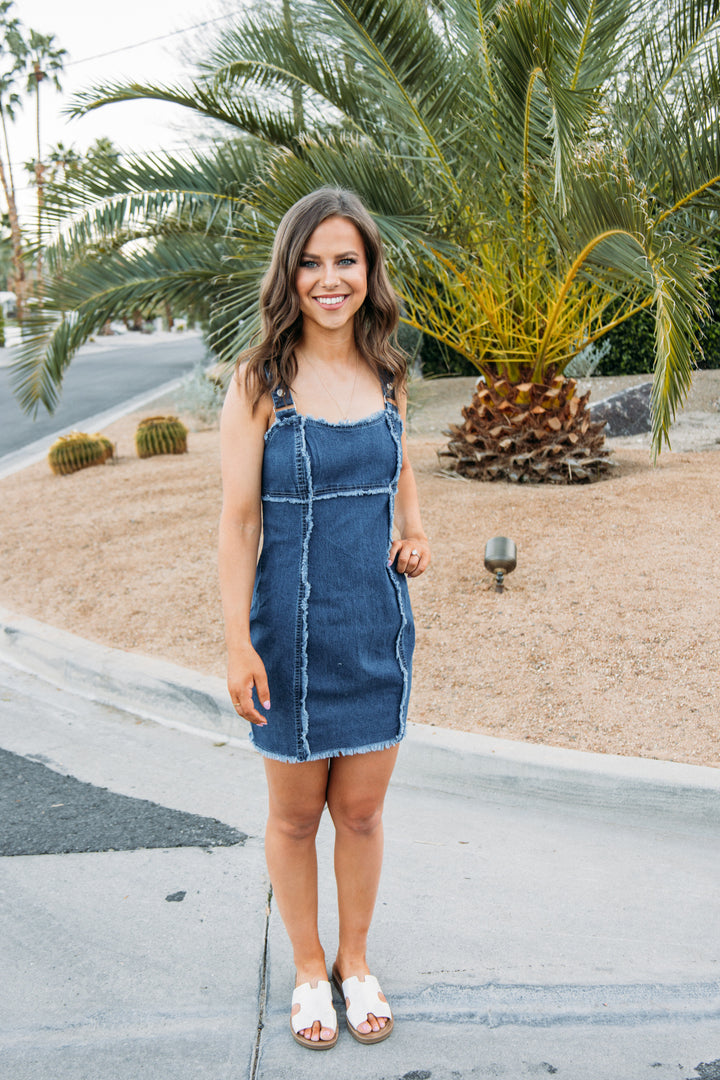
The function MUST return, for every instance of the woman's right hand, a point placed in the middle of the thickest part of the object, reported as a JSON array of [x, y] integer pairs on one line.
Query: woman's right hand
[[245, 671]]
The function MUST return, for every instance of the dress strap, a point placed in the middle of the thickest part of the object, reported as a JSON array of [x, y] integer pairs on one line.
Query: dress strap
[[388, 388], [283, 401]]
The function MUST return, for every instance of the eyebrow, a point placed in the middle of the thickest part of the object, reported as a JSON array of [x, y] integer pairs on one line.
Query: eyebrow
[[341, 255]]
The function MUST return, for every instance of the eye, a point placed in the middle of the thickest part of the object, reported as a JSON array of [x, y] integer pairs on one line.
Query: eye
[[308, 264], [348, 261]]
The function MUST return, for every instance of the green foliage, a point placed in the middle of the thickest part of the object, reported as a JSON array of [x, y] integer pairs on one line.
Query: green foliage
[[76, 451], [5, 254], [631, 346], [540, 172], [65, 168], [160, 435], [438, 359], [711, 329]]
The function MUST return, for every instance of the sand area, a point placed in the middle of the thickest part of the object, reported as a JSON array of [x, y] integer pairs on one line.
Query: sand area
[[606, 637]]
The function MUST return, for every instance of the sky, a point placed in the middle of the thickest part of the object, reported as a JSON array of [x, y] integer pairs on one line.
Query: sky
[[87, 30]]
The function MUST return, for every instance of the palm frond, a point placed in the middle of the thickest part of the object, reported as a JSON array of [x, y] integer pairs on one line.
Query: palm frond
[[249, 114], [180, 271]]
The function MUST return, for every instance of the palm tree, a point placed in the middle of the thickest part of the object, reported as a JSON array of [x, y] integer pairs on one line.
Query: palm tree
[[11, 58], [541, 171], [43, 60]]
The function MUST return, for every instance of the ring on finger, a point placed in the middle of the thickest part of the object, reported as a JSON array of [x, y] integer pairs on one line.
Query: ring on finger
[[415, 552]]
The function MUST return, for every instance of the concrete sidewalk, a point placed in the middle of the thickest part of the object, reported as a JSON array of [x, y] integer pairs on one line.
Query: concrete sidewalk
[[541, 911]]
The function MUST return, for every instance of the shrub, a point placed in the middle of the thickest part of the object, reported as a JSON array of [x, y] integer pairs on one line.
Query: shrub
[[438, 359], [588, 361], [632, 344], [201, 394]]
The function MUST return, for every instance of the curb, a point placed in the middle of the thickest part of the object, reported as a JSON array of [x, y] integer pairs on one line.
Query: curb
[[454, 762], [153, 689]]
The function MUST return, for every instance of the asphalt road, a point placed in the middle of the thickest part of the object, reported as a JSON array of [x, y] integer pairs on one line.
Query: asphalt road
[[101, 376], [539, 926], [45, 812]]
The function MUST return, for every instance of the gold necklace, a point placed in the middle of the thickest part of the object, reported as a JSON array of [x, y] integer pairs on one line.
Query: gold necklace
[[343, 414]]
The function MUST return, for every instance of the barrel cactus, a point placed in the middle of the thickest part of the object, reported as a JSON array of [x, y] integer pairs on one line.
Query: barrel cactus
[[107, 447], [160, 435], [78, 451]]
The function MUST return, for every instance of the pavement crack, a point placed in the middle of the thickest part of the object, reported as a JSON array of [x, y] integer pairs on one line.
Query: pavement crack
[[262, 990]]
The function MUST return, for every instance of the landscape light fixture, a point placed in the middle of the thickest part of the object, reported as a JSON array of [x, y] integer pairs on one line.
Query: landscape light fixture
[[500, 559]]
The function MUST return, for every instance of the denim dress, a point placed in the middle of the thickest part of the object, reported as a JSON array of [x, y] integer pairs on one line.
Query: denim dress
[[329, 618]]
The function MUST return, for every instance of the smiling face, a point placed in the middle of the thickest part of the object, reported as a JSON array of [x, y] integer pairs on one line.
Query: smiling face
[[331, 280]]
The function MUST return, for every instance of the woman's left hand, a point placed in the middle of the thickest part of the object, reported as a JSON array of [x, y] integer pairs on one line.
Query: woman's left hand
[[413, 555]]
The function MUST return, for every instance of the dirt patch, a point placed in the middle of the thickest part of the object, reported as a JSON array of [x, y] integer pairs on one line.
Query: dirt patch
[[605, 638]]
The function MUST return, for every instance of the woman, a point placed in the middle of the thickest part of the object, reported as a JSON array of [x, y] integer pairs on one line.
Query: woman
[[320, 635]]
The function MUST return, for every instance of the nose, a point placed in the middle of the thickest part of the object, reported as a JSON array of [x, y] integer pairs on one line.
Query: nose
[[330, 276]]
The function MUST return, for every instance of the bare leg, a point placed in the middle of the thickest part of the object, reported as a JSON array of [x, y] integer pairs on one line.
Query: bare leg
[[296, 800], [355, 797]]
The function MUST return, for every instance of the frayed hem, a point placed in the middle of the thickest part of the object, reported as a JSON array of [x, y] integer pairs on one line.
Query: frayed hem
[[349, 751]]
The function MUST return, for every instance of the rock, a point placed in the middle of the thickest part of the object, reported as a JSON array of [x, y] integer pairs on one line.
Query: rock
[[625, 413]]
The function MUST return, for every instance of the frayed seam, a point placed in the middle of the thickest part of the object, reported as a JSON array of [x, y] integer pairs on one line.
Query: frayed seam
[[398, 444], [280, 421], [401, 659], [305, 587], [384, 490], [398, 588], [299, 499]]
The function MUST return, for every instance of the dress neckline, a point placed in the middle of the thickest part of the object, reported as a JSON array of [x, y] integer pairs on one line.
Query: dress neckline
[[284, 405], [376, 415]]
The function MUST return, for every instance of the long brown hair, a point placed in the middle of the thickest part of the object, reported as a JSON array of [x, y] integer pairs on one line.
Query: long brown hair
[[272, 362]]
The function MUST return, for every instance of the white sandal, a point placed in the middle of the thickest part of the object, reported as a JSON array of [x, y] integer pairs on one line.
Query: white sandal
[[363, 997], [315, 1005]]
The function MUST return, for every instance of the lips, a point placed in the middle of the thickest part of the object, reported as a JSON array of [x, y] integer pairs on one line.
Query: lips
[[331, 301]]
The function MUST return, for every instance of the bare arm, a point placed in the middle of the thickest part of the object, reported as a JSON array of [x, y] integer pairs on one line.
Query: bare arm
[[407, 516], [242, 445]]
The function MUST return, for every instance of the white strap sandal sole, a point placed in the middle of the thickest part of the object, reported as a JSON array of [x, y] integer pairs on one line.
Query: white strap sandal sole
[[361, 998], [315, 1005]]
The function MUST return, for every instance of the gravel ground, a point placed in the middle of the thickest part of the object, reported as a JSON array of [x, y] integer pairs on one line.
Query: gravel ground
[[605, 638]]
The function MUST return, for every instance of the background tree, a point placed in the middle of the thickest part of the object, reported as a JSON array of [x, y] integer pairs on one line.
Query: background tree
[[11, 61], [29, 57], [541, 170], [6, 254], [43, 60], [65, 169]]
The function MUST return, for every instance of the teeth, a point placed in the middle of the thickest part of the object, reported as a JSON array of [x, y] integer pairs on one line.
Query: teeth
[[330, 301]]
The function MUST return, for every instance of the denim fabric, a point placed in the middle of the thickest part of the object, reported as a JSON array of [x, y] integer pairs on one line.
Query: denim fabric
[[331, 621]]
